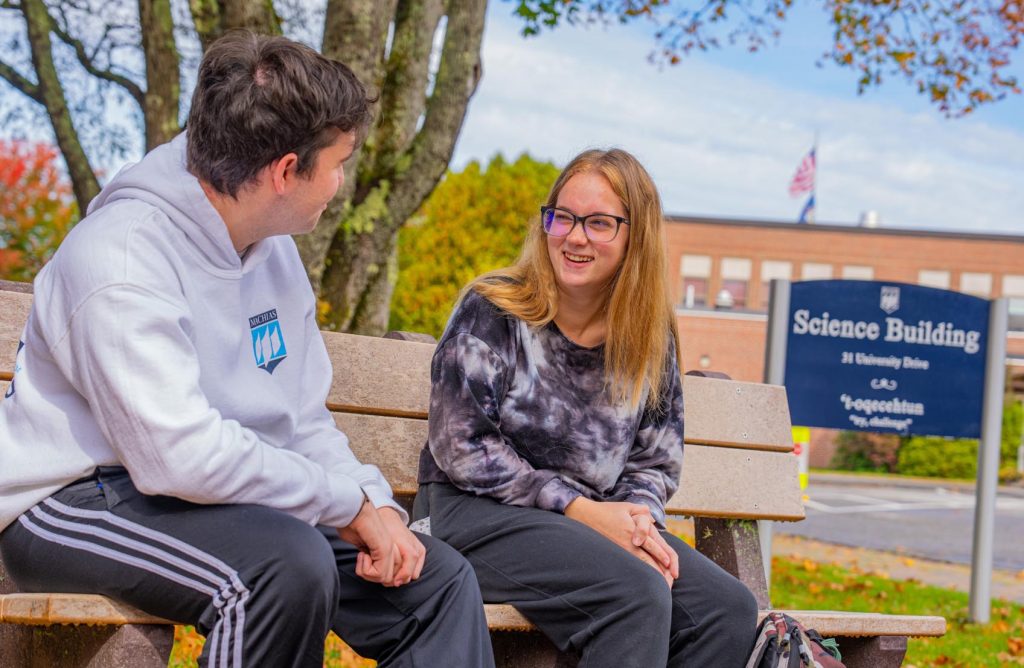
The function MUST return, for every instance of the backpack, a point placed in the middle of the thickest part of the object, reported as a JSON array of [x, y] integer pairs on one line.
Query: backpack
[[783, 642]]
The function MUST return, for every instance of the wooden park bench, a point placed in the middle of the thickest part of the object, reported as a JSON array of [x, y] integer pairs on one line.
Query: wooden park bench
[[738, 468]]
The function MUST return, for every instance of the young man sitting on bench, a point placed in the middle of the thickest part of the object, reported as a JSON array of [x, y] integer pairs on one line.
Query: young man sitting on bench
[[165, 441]]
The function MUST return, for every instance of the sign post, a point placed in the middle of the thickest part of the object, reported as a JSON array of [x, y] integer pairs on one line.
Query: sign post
[[897, 358], [774, 374], [980, 601]]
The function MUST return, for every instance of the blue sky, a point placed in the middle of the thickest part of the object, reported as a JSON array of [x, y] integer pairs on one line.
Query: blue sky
[[723, 132]]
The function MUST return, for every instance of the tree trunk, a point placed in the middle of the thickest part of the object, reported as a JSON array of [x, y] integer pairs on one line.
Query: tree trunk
[[51, 95], [357, 282], [206, 16], [355, 32], [163, 82], [255, 15]]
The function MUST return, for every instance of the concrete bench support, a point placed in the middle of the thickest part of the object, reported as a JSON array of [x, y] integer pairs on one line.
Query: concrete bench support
[[80, 645], [69, 646], [878, 652], [515, 649], [734, 545]]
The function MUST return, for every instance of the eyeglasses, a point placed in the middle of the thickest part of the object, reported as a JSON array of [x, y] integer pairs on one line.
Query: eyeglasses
[[598, 227]]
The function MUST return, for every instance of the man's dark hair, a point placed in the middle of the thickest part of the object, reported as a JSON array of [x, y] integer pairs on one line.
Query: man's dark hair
[[259, 98]]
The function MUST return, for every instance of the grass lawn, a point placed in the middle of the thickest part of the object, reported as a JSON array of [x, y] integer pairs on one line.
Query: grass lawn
[[810, 585]]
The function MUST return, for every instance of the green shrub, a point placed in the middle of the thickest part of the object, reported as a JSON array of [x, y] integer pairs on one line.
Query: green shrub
[[475, 221], [934, 456], [1013, 420], [866, 451]]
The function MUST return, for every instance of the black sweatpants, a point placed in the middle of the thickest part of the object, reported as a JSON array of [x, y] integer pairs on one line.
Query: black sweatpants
[[262, 586], [588, 594]]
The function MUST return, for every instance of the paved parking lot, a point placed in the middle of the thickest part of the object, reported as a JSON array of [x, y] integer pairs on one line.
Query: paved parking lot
[[926, 521]]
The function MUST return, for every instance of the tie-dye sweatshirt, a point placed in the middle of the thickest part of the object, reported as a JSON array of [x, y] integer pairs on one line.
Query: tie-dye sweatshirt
[[522, 415]]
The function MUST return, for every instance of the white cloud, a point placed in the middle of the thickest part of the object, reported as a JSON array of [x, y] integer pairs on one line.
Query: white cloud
[[724, 143]]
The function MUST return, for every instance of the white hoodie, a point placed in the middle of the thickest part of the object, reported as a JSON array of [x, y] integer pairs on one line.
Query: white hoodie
[[151, 345]]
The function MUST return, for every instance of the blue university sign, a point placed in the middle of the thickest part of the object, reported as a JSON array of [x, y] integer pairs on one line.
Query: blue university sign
[[886, 357]]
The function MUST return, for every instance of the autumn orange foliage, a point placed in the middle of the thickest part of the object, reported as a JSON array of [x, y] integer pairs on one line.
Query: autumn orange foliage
[[37, 208]]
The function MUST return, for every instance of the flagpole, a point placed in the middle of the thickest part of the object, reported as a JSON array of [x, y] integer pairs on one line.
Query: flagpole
[[814, 183]]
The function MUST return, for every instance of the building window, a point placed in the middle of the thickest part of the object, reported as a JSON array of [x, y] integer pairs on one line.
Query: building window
[[858, 272], [979, 285], [735, 282], [695, 270], [695, 292], [773, 269], [933, 278], [1013, 288], [815, 271]]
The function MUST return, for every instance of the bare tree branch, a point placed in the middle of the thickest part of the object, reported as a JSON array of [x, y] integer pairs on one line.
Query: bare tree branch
[[86, 61], [51, 94], [23, 85]]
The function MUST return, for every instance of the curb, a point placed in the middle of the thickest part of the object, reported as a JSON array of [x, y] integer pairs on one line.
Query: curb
[[898, 481]]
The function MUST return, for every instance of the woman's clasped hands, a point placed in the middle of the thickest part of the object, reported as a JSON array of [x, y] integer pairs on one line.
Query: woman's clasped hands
[[630, 526]]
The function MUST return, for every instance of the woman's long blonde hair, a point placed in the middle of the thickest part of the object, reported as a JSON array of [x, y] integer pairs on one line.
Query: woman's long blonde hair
[[638, 309]]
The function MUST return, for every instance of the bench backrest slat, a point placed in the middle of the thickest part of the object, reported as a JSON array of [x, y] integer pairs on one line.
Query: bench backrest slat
[[14, 308], [379, 376], [737, 462], [739, 484]]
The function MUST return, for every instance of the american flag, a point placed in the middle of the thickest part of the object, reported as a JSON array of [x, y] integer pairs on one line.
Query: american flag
[[803, 180]]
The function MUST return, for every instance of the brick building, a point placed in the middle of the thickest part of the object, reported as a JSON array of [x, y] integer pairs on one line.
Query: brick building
[[721, 271]]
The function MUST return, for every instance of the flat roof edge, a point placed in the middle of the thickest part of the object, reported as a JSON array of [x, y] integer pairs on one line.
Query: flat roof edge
[[836, 227]]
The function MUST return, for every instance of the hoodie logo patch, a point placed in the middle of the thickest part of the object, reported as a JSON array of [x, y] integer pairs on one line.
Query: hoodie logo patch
[[17, 368], [267, 341]]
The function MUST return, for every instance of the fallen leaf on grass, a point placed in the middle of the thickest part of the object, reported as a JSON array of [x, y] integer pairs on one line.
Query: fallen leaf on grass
[[1016, 646], [810, 566], [907, 561], [1000, 627]]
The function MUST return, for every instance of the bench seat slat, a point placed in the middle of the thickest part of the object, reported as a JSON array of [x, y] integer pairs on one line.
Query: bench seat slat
[[828, 623], [45, 609]]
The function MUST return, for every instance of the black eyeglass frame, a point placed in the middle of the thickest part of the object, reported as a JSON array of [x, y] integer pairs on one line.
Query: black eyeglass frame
[[582, 221]]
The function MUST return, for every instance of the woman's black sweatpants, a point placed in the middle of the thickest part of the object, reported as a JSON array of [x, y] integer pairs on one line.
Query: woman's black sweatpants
[[589, 595]]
